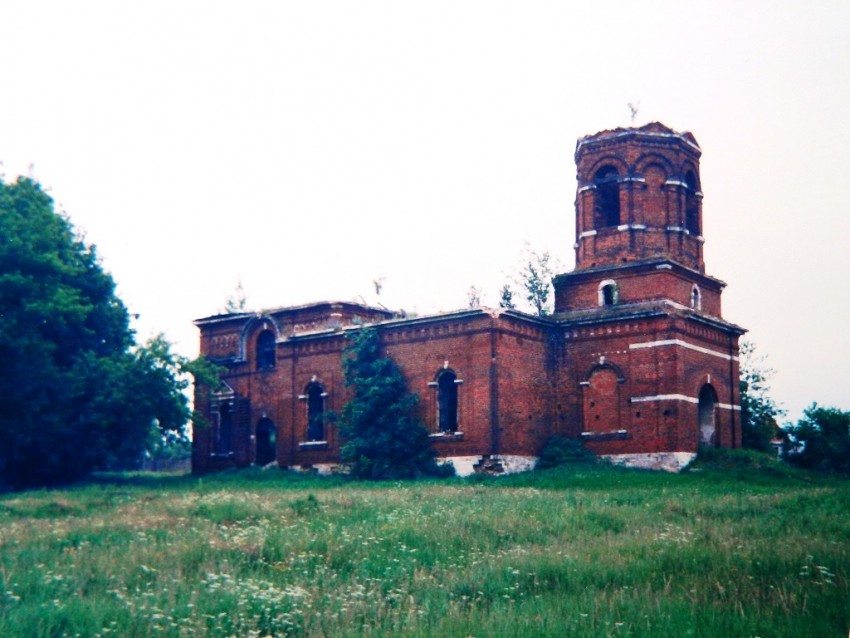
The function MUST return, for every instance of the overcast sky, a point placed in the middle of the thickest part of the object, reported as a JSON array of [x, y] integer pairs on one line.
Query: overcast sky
[[309, 148]]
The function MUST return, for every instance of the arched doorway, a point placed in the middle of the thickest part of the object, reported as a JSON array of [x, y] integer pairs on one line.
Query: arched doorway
[[707, 419], [266, 442]]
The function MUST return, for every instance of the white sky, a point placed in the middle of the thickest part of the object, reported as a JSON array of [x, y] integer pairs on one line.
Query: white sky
[[310, 147]]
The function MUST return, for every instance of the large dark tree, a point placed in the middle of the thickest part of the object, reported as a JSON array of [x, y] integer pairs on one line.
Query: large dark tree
[[820, 440], [76, 394], [384, 436]]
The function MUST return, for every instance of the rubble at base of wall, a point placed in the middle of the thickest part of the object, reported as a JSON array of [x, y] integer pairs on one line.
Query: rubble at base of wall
[[323, 469], [667, 461], [464, 465], [495, 464]]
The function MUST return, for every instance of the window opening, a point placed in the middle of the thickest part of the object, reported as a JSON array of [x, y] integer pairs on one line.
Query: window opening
[[696, 298], [447, 401], [607, 201], [265, 350], [691, 203], [266, 441], [608, 293], [315, 413], [224, 432]]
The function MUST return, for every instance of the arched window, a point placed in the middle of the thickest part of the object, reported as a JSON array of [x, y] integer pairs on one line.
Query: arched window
[[315, 412], [606, 211], [447, 401], [691, 203], [266, 441], [609, 293], [265, 350], [706, 410], [696, 298], [224, 428]]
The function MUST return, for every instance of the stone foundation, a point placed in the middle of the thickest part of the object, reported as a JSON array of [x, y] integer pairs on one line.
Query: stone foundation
[[667, 461]]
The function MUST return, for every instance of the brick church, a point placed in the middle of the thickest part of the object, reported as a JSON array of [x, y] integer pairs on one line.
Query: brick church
[[636, 361]]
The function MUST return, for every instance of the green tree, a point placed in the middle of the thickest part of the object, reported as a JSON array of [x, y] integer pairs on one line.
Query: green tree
[[759, 413], [820, 440], [76, 393], [535, 278], [384, 436], [506, 299]]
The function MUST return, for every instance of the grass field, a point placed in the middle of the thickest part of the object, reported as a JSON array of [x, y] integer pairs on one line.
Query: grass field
[[726, 550]]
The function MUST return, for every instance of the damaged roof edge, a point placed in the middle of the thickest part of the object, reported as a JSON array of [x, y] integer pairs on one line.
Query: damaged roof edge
[[403, 322], [224, 317], [653, 129]]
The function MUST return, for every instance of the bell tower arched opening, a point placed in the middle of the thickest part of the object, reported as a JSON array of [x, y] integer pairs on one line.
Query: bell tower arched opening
[[692, 221], [606, 208]]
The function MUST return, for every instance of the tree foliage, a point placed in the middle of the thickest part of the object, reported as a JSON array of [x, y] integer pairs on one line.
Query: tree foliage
[[506, 298], [535, 280], [759, 412], [384, 436], [76, 393], [237, 302], [820, 440]]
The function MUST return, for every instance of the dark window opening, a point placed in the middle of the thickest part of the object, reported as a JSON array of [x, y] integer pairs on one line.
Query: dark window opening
[[224, 432], [609, 294], [607, 202], [266, 441], [447, 401], [696, 302], [315, 413], [691, 204], [265, 350]]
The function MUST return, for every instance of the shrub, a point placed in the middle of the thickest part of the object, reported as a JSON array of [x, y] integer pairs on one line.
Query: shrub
[[559, 450]]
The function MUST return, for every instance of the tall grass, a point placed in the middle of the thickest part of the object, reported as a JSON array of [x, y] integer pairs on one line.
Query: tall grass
[[588, 550]]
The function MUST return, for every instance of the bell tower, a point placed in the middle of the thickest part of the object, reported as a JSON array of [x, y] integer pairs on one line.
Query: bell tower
[[638, 198], [655, 364], [638, 224]]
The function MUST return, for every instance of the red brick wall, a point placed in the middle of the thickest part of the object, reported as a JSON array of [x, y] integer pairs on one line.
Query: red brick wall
[[653, 423], [525, 367], [651, 163], [635, 285]]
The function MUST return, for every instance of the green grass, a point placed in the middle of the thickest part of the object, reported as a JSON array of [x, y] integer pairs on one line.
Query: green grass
[[737, 546]]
